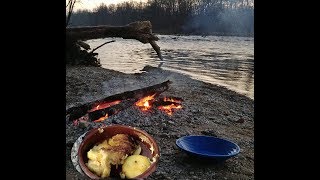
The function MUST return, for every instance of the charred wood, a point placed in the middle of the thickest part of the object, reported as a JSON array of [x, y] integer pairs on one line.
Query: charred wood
[[79, 111]]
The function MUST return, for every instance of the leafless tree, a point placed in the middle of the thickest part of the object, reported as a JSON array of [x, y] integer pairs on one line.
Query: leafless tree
[[69, 7]]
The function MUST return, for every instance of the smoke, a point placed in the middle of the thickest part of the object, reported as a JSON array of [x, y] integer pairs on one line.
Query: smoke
[[238, 21], [224, 22]]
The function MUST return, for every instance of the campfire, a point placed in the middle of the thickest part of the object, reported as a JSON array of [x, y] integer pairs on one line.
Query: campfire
[[166, 104], [145, 103], [146, 100], [169, 104]]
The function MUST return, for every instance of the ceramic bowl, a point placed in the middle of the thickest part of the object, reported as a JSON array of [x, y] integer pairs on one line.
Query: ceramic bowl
[[95, 136]]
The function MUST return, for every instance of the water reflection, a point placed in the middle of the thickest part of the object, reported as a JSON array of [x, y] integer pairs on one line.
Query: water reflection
[[226, 61]]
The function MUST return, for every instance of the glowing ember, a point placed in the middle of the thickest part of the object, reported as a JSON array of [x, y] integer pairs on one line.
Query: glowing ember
[[101, 119], [144, 104], [170, 107], [171, 100], [104, 105], [76, 122]]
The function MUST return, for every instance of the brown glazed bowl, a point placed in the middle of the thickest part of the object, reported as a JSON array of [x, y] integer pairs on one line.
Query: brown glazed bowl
[[148, 145]]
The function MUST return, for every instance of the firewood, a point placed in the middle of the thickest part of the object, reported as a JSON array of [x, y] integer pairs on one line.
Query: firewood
[[109, 111], [79, 111]]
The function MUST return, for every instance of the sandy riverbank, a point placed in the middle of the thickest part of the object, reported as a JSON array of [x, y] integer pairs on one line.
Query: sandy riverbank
[[208, 110]]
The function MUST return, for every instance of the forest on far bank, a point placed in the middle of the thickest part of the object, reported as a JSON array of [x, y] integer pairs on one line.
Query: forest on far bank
[[190, 17]]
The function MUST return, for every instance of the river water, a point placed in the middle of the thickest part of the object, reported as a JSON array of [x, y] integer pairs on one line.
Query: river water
[[221, 60]]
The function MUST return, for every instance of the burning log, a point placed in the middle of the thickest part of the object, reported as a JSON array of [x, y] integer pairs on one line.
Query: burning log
[[112, 104], [166, 104], [101, 114]]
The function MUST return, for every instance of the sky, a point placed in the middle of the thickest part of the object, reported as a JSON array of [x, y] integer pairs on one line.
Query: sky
[[91, 4]]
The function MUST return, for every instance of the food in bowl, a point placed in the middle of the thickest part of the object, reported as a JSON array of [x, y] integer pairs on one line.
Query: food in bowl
[[134, 165], [118, 150], [143, 144]]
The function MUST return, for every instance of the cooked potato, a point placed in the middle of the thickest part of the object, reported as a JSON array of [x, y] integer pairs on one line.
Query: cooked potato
[[134, 165], [98, 162], [95, 167], [113, 151], [137, 151], [102, 145]]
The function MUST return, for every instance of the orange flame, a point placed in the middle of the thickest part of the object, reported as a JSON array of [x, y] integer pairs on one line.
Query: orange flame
[[169, 108], [102, 118], [144, 104], [104, 105], [171, 100]]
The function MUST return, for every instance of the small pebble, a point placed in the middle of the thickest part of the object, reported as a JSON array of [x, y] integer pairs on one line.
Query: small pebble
[[241, 120], [171, 122]]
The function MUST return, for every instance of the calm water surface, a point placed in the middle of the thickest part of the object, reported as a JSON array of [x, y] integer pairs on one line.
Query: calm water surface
[[221, 60]]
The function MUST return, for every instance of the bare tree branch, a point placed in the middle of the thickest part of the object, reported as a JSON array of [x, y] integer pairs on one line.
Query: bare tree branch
[[68, 3], [71, 4], [101, 46]]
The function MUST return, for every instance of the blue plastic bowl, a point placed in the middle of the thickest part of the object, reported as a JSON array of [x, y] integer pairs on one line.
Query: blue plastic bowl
[[208, 147]]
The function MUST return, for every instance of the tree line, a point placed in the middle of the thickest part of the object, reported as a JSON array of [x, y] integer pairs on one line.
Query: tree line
[[201, 17]]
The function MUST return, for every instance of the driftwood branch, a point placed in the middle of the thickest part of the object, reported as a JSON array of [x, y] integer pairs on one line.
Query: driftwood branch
[[83, 45], [101, 46], [131, 96], [157, 49]]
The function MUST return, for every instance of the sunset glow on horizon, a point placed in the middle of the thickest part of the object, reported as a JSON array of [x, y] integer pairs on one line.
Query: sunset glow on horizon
[[91, 4]]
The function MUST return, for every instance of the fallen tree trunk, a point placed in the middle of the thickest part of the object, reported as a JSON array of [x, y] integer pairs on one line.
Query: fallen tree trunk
[[131, 96], [140, 30]]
